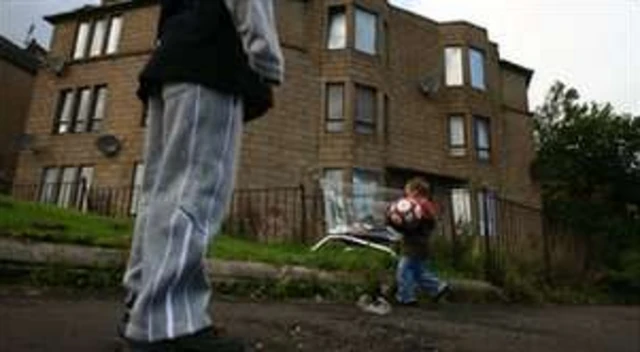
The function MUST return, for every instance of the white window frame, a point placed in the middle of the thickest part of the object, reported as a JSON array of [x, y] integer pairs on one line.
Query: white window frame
[[457, 135], [454, 68]]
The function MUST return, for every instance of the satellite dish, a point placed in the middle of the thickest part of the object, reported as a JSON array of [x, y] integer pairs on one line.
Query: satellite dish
[[56, 65], [430, 85], [109, 145], [25, 143]]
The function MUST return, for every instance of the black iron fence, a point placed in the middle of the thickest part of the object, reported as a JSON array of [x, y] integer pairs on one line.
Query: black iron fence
[[488, 237]]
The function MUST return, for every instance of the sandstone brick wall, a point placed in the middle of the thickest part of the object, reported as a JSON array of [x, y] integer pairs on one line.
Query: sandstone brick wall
[[290, 145]]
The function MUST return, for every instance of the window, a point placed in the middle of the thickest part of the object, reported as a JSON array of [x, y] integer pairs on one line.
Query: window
[[457, 144], [136, 191], [98, 37], [461, 207], [337, 29], [115, 31], [99, 109], [49, 185], [66, 186], [487, 213], [453, 63], [483, 138], [476, 61], [81, 110], [335, 207], [335, 107], [366, 107], [365, 183], [333, 176], [366, 28], [65, 111], [82, 38]]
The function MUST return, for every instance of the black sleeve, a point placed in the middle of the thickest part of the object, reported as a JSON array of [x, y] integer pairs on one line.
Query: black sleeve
[[168, 9]]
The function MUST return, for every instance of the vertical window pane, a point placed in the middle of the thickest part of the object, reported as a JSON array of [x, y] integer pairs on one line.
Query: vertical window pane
[[67, 186], [456, 136], [83, 110], [337, 35], [365, 110], [335, 206], [66, 110], [476, 60], [49, 186], [99, 110], [453, 63], [99, 36], [114, 35], [136, 192], [366, 31], [365, 184], [335, 107], [483, 138], [82, 38], [461, 204], [487, 221]]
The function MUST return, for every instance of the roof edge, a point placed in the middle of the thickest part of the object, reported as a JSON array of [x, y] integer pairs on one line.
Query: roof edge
[[96, 9], [509, 65]]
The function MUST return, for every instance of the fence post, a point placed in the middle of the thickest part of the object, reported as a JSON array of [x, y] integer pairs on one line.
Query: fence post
[[303, 210], [487, 244], [546, 249]]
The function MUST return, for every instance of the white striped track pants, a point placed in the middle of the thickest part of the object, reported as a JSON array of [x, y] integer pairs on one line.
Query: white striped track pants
[[192, 144]]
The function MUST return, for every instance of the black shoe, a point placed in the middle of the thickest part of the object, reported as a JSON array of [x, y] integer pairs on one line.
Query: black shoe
[[443, 291]]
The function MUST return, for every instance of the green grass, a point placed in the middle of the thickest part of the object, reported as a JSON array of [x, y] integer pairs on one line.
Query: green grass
[[52, 224]]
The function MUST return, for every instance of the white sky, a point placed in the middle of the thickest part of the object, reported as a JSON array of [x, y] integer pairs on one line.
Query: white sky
[[593, 45]]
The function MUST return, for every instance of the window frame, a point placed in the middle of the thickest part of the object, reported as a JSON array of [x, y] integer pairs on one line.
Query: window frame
[[461, 75], [376, 30], [329, 118], [472, 78], [94, 109], [57, 118], [331, 12], [110, 33], [480, 152], [358, 123], [74, 114], [457, 150], [104, 50]]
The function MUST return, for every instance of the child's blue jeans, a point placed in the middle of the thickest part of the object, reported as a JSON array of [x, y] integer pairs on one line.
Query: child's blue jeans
[[413, 273]]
